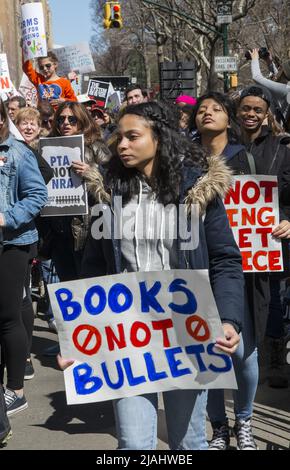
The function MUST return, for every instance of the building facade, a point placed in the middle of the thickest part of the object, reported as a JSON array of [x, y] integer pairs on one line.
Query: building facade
[[10, 34]]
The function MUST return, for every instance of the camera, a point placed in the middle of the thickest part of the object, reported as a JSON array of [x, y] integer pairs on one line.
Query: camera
[[263, 53]]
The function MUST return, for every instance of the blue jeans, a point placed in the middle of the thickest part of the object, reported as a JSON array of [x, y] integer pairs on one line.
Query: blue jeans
[[185, 411], [245, 361]]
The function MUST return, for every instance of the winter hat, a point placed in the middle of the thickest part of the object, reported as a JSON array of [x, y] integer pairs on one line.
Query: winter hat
[[186, 99], [260, 92]]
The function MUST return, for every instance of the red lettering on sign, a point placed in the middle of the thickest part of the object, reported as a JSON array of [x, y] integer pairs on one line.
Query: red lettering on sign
[[230, 214], [275, 261], [138, 325], [246, 256], [264, 232], [93, 334], [234, 194], [248, 216], [269, 186], [200, 324], [243, 238], [112, 339], [163, 325], [270, 220], [257, 260], [4, 82], [245, 189]]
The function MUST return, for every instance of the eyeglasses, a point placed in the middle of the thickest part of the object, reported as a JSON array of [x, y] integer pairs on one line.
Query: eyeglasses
[[71, 119], [45, 122], [45, 66]]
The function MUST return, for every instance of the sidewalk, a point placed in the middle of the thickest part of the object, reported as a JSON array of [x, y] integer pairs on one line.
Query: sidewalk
[[50, 424]]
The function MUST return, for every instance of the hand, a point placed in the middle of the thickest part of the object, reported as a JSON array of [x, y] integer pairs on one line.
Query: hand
[[2, 221], [80, 168], [282, 230], [230, 342], [56, 102], [64, 363], [254, 53]]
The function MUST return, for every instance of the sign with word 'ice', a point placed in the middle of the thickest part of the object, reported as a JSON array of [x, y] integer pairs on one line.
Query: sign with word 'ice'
[[252, 206], [138, 333]]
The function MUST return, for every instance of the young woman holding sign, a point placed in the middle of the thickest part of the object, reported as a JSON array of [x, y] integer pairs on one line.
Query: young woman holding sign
[[219, 134], [153, 163]]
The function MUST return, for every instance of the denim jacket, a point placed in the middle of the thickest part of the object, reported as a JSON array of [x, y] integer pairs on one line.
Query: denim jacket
[[22, 192]]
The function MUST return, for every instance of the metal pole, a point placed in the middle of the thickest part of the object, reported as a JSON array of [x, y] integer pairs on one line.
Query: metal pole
[[225, 53]]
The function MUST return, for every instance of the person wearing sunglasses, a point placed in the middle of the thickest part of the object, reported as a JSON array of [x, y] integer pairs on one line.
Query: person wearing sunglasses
[[72, 118], [50, 86]]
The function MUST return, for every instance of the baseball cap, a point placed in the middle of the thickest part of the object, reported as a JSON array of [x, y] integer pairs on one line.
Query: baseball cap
[[258, 91], [85, 99], [97, 111]]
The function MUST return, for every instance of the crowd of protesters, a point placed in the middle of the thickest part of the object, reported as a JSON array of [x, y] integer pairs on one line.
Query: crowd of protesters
[[160, 151]]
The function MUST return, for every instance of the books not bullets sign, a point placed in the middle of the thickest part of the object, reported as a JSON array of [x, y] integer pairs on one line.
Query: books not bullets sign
[[66, 191]]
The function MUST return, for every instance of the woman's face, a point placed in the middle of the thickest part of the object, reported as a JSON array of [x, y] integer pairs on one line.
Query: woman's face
[[29, 129], [1, 120], [211, 117], [67, 123], [137, 146]]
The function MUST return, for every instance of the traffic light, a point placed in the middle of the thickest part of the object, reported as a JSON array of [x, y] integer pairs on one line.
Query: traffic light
[[107, 15], [112, 15], [233, 80], [116, 18]]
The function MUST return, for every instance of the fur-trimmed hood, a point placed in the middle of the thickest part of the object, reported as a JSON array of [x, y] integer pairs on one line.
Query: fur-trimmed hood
[[214, 183]]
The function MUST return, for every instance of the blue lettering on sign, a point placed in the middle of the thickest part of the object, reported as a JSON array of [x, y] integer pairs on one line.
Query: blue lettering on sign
[[67, 303], [132, 381], [197, 350], [227, 360], [153, 375], [120, 381], [85, 382], [190, 306], [101, 293], [148, 297], [114, 294], [174, 364]]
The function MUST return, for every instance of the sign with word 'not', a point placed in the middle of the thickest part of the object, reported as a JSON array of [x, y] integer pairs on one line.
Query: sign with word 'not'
[[253, 211], [225, 64], [137, 333]]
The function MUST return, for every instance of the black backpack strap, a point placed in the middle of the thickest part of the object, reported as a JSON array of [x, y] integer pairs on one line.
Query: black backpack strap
[[251, 163]]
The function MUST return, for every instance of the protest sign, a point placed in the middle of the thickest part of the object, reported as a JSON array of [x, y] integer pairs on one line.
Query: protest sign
[[5, 82], [33, 31], [28, 91], [252, 206], [138, 333], [66, 191], [114, 102], [99, 91], [75, 58]]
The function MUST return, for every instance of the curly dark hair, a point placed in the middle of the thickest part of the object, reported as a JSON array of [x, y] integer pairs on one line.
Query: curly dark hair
[[174, 152], [228, 105]]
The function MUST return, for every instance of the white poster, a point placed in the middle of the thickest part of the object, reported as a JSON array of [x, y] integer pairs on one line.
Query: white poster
[[138, 333], [76, 58], [5, 82], [28, 91], [252, 206], [33, 31], [66, 191]]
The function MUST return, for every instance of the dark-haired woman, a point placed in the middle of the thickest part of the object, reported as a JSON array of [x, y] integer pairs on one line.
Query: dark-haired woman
[[219, 134], [72, 118], [155, 165], [22, 195]]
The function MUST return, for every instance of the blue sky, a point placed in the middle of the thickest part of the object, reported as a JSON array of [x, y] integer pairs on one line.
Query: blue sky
[[71, 21]]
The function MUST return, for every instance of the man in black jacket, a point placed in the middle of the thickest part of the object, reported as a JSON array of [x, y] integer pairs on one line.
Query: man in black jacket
[[271, 157]]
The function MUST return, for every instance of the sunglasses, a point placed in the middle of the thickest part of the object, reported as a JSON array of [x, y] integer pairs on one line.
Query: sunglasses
[[45, 66], [71, 119]]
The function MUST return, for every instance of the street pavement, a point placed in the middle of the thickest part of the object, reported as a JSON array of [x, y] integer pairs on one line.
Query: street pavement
[[49, 424]]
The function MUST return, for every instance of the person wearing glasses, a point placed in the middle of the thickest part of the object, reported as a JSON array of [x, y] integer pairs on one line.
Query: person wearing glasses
[[50, 86], [72, 118]]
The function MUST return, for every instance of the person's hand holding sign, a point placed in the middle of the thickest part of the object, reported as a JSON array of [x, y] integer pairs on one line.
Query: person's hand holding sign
[[64, 363], [230, 342], [282, 230], [80, 168]]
